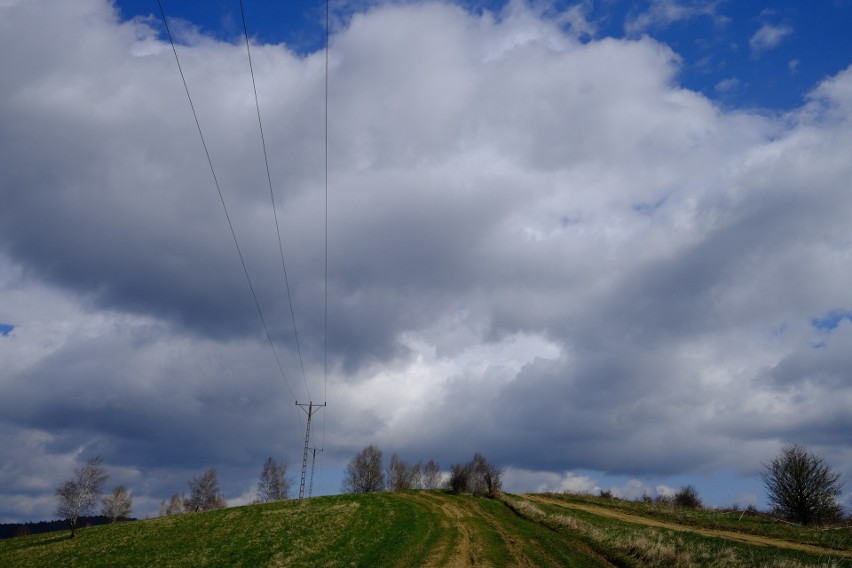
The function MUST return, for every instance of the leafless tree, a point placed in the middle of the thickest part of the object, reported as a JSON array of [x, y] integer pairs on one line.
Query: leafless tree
[[459, 481], [174, 506], [117, 504], [431, 478], [402, 476], [364, 473], [204, 493], [78, 495], [478, 477], [801, 487], [274, 484], [487, 478]]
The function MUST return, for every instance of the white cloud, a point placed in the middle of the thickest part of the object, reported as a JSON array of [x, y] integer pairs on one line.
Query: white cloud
[[634, 489], [768, 37], [662, 13], [520, 480], [727, 85], [576, 18], [793, 66]]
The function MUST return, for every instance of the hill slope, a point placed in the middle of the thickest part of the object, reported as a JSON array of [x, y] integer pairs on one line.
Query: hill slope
[[432, 528]]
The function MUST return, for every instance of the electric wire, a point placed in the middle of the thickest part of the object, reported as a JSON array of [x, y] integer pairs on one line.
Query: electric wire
[[325, 326], [272, 198], [325, 332], [224, 206]]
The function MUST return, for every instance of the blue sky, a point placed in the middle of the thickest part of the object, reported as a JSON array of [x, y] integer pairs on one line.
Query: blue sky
[[615, 232]]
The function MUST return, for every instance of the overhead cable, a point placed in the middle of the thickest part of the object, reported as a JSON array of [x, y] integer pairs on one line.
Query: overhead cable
[[224, 206], [272, 197]]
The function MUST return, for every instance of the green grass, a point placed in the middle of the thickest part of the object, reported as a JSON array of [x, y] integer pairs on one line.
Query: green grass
[[413, 529]]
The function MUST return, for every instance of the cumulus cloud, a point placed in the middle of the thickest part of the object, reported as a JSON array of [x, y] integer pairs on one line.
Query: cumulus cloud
[[540, 249]]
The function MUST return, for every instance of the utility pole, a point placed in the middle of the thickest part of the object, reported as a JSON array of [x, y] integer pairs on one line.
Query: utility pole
[[313, 467], [311, 408]]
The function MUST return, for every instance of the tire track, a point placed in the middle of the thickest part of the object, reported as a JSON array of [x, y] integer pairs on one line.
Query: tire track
[[449, 516]]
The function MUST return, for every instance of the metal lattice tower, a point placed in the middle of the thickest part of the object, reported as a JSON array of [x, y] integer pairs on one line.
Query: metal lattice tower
[[311, 408], [313, 468]]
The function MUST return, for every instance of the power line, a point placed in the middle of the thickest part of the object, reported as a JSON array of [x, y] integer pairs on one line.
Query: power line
[[325, 334], [325, 327], [272, 197], [224, 206]]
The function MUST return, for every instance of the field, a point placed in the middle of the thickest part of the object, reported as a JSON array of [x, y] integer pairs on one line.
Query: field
[[435, 528]]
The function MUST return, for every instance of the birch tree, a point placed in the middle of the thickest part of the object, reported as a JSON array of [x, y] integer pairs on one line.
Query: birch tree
[[78, 495]]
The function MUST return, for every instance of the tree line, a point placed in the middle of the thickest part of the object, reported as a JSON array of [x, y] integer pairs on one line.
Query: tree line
[[77, 497], [365, 474]]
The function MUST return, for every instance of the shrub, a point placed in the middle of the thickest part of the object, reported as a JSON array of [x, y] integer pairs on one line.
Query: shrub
[[459, 481], [478, 477], [687, 498]]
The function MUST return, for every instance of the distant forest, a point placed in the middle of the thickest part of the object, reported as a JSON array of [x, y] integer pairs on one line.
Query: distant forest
[[9, 530]]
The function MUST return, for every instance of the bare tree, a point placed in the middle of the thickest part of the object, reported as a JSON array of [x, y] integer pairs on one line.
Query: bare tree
[[459, 481], [402, 476], [174, 506], [78, 495], [274, 484], [801, 487], [117, 504], [431, 478], [477, 476], [204, 493], [364, 473], [487, 479]]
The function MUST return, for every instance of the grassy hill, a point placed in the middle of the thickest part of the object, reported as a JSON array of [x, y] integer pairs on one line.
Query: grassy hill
[[434, 528]]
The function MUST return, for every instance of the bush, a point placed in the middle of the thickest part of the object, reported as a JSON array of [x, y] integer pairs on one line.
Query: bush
[[459, 481], [478, 477], [687, 498]]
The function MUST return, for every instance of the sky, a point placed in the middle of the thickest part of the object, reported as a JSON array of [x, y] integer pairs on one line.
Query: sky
[[604, 243]]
